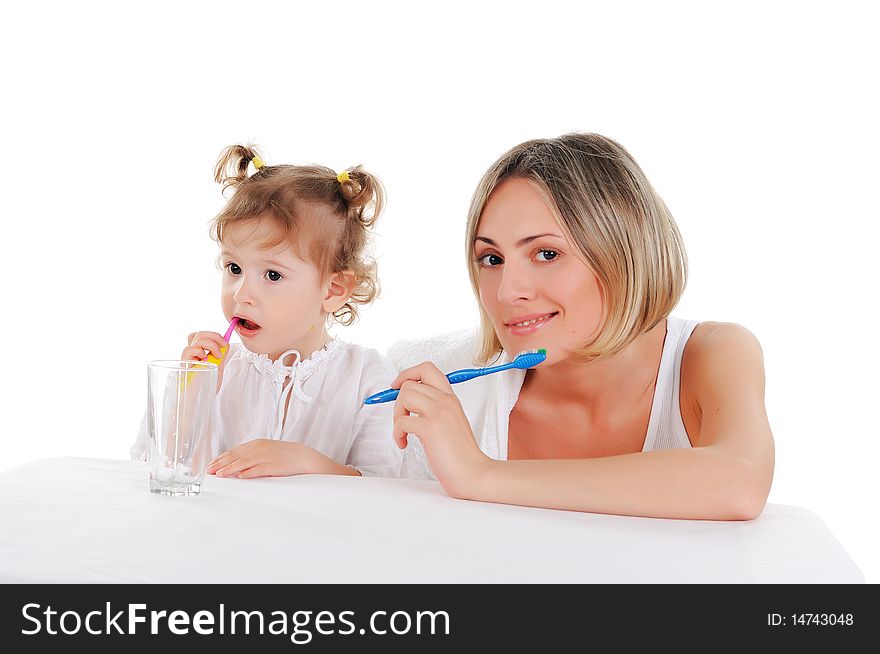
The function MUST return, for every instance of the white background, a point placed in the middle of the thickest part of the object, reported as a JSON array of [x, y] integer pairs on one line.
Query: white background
[[757, 124]]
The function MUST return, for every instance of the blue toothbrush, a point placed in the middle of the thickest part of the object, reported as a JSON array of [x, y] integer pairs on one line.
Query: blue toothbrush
[[522, 361]]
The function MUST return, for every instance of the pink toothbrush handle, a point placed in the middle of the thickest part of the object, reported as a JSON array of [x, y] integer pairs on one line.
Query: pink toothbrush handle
[[232, 324]]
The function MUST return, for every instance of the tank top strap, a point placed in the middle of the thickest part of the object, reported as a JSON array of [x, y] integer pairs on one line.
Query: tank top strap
[[665, 426]]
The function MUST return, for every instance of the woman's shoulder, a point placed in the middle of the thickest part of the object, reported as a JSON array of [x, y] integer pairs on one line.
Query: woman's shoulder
[[720, 354], [709, 338]]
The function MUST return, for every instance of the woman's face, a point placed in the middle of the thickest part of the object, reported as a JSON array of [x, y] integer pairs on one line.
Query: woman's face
[[534, 284]]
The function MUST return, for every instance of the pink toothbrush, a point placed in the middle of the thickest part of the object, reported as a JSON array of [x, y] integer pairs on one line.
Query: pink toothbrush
[[184, 383], [211, 358]]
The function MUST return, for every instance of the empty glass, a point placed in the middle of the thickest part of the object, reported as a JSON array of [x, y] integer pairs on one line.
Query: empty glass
[[180, 411]]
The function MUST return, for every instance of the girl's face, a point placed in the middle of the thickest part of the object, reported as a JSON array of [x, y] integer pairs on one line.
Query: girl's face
[[533, 283], [279, 298]]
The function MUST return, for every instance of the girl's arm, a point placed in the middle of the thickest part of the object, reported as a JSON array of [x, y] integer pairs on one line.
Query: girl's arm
[[264, 457], [371, 453], [727, 477]]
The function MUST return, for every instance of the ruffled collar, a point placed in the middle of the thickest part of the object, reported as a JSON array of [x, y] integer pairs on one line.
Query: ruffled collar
[[302, 369]]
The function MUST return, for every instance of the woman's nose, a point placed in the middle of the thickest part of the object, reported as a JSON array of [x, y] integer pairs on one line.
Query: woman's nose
[[516, 284]]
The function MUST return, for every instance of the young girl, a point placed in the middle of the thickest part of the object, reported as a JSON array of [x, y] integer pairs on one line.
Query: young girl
[[293, 242], [634, 411]]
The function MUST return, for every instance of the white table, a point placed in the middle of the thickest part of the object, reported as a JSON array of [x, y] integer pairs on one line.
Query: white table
[[94, 520]]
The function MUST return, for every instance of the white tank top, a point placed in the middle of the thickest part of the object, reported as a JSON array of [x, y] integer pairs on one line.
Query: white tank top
[[665, 426]]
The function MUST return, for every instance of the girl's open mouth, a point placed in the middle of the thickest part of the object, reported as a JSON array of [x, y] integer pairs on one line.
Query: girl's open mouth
[[246, 327]]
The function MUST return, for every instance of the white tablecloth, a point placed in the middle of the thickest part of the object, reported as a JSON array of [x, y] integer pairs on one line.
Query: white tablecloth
[[94, 520]]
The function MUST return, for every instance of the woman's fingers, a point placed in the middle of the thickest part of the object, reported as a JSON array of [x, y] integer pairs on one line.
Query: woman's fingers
[[418, 398], [420, 386], [426, 373], [413, 392], [414, 397], [406, 425], [400, 411]]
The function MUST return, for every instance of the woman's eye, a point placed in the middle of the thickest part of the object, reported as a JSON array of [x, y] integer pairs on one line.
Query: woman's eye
[[234, 268], [547, 255], [273, 276], [489, 260]]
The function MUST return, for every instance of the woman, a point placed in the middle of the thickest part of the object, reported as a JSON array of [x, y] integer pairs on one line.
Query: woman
[[634, 412]]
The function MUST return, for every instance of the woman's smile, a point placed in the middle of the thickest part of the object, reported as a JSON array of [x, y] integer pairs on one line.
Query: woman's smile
[[524, 325]]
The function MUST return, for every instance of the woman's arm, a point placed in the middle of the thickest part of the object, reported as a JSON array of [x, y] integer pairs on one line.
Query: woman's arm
[[726, 478]]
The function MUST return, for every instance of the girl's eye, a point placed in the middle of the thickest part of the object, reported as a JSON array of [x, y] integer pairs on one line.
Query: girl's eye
[[234, 268], [547, 255], [489, 260], [273, 276]]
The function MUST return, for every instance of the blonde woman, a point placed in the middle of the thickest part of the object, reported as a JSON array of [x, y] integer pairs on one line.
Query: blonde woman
[[634, 412]]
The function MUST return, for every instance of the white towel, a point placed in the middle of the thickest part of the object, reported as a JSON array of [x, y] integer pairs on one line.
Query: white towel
[[452, 350]]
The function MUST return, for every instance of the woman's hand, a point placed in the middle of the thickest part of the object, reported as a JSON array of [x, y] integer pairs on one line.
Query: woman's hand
[[264, 457], [442, 427]]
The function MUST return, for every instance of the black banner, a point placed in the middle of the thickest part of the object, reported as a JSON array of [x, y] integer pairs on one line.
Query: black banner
[[392, 618]]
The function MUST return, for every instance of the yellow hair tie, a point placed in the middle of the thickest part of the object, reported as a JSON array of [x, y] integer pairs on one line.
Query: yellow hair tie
[[258, 163], [343, 177]]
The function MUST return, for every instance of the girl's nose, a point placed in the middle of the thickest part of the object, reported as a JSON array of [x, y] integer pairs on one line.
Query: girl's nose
[[516, 284], [243, 294]]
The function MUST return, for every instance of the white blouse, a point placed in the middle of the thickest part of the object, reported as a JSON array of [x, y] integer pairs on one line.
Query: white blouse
[[325, 410]]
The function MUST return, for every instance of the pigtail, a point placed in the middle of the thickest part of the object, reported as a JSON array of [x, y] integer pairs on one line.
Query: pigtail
[[232, 165], [364, 195], [364, 199]]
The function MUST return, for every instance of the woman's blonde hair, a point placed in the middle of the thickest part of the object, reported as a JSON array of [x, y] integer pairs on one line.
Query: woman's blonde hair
[[610, 212], [324, 216]]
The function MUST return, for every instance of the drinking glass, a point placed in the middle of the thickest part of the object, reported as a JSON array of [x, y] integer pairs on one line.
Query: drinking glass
[[180, 412]]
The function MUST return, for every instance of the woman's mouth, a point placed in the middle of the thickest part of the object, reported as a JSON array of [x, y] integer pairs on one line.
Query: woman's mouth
[[246, 328], [525, 325]]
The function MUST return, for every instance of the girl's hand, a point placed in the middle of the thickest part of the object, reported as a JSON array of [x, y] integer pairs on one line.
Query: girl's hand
[[441, 425], [203, 343], [264, 457]]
